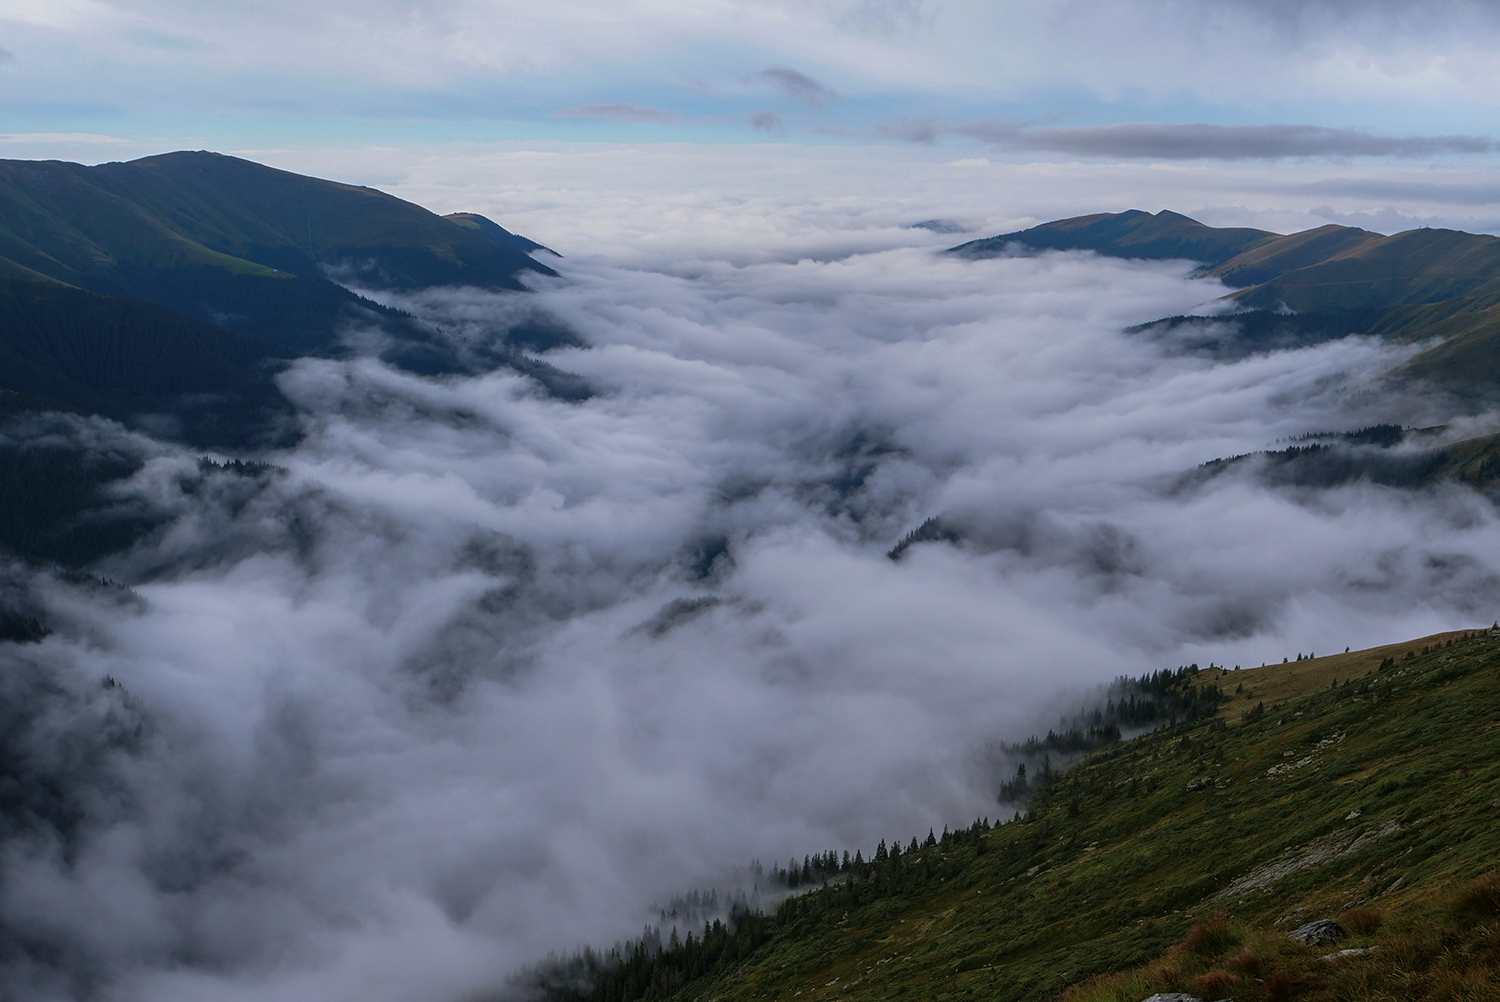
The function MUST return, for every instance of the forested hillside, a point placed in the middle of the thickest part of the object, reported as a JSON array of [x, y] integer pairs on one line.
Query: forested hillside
[[131, 360]]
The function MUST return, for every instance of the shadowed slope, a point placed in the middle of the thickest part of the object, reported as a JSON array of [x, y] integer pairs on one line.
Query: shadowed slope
[[138, 362]]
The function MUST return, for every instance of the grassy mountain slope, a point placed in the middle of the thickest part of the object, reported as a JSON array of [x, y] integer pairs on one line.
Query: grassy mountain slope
[[491, 230], [236, 243], [296, 223], [1419, 285], [202, 267], [1326, 269], [1417, 266], [1133, 234], [1351, 787], [76, 223], [1276, 257]]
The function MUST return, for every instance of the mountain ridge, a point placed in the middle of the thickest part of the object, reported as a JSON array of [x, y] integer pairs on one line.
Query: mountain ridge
[[230, 241], [1422, 285]]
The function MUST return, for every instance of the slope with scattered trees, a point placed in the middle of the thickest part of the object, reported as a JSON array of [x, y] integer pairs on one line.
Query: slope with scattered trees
[[1177, 861]]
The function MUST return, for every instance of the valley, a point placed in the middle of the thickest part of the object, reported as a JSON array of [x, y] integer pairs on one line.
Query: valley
[[377, 576]]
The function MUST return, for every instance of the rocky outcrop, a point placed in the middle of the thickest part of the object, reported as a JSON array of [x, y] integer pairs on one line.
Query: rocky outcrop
[[1336, 845], [1323, 932]]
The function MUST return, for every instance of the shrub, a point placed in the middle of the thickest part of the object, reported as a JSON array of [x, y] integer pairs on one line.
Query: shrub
[[1211, 937], [1212, 984], [1362, 921], [1479, 899]]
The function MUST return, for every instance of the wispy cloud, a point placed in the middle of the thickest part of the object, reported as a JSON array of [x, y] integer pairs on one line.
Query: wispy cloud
[[1171, 141], [1400, 190], [767, 121], [619, 112], [1240, 142], [930, 130], [65, 138], [798, 85]]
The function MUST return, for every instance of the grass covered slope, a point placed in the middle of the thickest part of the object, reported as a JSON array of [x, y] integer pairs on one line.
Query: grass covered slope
[[1132, 234], [297, 224], [1331, 788], [1425, 285], [236, 243], [1409, 268], [77, 224]]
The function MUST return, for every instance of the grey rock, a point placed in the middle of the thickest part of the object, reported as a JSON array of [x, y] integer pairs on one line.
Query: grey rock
[[1319, 933], [1172, 997]]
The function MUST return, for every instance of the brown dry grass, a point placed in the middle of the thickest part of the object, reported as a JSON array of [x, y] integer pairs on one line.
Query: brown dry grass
[[1446, 949], [1362, 921], [1277, 683]]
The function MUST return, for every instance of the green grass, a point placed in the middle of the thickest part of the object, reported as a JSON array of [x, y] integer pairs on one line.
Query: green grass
[[81, 225], [1383, 786]]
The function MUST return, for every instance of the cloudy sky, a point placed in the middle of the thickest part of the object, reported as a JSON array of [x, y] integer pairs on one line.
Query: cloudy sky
[[1179, 79]]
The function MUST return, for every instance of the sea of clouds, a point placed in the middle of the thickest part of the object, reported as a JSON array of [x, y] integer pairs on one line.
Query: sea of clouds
[[484, 674]]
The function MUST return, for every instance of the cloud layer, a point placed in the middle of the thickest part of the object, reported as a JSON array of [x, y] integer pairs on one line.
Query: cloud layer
[[1156, 141], [485, 674]]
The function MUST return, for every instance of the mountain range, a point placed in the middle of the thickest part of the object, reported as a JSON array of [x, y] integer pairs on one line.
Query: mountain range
[[178, 284], [1437, 287], [239, 244]]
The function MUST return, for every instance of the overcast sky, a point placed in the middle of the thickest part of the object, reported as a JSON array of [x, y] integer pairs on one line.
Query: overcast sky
[[1124, 79]]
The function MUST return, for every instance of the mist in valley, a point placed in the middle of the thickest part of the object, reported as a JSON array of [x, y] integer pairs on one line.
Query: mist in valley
[[475, 673]]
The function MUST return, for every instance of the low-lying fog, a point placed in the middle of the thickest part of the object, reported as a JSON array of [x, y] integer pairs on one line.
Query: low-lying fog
[[485, 674]]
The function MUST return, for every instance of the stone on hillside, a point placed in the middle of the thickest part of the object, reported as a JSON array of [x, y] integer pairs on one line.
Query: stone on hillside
[[1172, 997], [1319, 933]]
